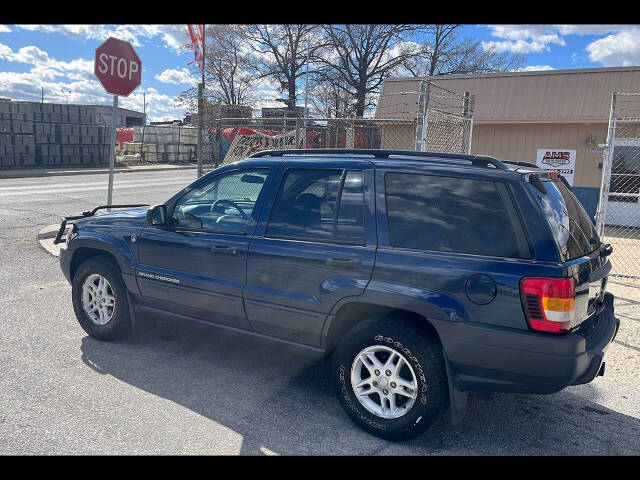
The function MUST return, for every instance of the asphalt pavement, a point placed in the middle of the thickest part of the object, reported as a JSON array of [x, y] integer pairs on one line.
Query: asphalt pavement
[[193, 389]]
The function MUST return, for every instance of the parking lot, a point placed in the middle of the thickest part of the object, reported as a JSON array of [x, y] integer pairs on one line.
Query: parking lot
[[193, 389]]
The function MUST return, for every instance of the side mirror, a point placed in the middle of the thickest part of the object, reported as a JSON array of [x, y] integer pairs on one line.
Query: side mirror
[[157, 215]]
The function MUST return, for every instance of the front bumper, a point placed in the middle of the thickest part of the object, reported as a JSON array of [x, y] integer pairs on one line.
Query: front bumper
[[65, 262], [499, 359]]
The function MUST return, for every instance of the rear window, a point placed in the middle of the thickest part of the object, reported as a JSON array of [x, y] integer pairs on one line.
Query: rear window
[[571, 226], [447, 214]]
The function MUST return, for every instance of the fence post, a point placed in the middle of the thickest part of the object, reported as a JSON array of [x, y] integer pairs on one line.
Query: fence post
[[466, 110], [607, 162], [178, 147], [350, 134], [425, 113], [218, 140], [142, 144], [200, 122]]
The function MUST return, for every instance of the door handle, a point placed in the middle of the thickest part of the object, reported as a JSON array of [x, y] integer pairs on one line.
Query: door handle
[[224, 249], [343, 262]]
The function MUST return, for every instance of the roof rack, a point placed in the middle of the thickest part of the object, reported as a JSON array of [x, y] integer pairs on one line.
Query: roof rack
[[520, 164], [477, 160]]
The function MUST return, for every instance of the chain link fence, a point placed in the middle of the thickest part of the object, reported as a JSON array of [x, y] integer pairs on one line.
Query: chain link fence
[[618, 215], [228, 140]]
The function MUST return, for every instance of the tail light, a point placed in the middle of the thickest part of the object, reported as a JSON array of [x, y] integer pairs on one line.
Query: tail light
[[549, 303]]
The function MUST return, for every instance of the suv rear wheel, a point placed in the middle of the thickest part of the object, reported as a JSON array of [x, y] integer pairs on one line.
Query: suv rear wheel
[[390, 378], [100, 299]]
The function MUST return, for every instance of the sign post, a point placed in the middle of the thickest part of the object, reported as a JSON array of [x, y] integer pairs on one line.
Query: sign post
[[119, 70], [112, 153], [196, 32]]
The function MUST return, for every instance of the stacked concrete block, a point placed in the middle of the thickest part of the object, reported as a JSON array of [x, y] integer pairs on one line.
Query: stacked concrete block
[[173, 143], [33, 133]]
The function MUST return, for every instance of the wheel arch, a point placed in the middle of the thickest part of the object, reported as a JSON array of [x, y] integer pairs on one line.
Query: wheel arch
[[83, 253], [352, 313]]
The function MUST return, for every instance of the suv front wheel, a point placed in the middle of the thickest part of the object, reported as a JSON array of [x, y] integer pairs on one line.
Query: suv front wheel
[[390, 378], [100, 299]]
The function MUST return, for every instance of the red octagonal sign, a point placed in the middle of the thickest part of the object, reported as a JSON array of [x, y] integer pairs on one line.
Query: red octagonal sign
[[118, 67]]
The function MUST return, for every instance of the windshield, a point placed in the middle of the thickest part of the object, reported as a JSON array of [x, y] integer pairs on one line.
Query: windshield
[[571, 226]]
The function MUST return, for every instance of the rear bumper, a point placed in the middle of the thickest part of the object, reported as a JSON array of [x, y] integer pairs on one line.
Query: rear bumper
[[499, 359]]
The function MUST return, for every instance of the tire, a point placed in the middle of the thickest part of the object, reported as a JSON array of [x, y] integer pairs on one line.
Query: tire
[[422, 353], [118, 324]]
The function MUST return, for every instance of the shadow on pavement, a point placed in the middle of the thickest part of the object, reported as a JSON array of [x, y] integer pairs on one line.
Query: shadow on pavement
[[280, 399]]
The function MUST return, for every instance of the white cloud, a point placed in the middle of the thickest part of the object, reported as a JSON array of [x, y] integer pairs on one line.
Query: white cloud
[[620, 46], [535, 68], [618, 49], [171, 75], [587, 29], [523, 38], [39, 58], [4, 29], [76, 77], [173, 36], [160, 107]]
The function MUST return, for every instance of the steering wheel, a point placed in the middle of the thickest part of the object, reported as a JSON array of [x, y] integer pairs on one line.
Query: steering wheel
[[243, 215]]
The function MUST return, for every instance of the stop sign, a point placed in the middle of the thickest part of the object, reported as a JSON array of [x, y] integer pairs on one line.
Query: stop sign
[[118, 67]]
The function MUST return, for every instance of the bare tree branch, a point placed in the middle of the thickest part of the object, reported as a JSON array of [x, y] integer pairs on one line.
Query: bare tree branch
[[357, 58], [445, 53], [228, 76], [280, 53]]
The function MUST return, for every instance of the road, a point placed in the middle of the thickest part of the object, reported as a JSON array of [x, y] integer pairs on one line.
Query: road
[[192, 389]]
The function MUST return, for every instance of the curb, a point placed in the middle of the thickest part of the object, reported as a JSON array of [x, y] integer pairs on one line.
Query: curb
[[52, 173], [45, 238], [48, 231]]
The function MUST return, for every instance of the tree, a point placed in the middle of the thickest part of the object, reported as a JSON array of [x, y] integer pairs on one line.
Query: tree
[[328, 100], [443, 52], [227, 70], [280, 53], [357, 58]]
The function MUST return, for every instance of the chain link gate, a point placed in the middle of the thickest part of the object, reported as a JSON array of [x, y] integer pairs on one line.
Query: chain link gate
[[445, 119], [618, 214]]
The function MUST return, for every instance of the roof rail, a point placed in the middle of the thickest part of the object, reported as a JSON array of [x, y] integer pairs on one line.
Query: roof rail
[[478, 160], [520, 164]]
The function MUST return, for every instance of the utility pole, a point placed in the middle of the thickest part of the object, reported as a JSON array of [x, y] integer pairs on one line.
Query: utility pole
[[42, 95], [67, 94]]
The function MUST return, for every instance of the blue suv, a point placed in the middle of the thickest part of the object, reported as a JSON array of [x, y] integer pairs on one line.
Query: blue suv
[[424, 275]]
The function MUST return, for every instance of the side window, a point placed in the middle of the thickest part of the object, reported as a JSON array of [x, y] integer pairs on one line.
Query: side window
[[449, 214], [223, 204], [323, 205]]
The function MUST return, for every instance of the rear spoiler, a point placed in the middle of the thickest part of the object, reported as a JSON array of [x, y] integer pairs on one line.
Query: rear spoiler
[[89, 213], [535, 178]]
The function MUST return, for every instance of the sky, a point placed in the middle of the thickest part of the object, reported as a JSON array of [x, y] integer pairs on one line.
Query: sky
[[59, 58]]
